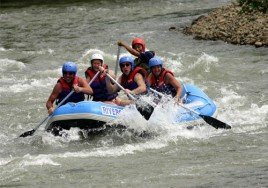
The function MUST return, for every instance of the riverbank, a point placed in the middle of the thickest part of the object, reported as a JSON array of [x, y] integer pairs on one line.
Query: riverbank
[[229, 24]]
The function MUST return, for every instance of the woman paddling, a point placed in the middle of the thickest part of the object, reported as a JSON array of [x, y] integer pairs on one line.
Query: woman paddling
[[100, 92], [163, 80]]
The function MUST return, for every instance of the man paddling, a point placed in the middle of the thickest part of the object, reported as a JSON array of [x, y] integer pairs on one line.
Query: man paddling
[[132, 80], [64, 86]]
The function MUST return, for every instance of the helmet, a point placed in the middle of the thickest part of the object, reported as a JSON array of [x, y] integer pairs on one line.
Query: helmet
[[155, 61], [96, 56], [69, 67], [138, 41], [125, 59]]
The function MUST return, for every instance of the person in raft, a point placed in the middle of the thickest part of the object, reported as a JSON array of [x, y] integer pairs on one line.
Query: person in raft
[[132, 79], [138, 50], [100, 92], [64, 86], [163, 80]]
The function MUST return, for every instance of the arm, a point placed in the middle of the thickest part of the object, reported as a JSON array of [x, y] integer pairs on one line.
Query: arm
[[87, 79], [141, 84], [83, 87], [53, 96], [170, 79], [111, 88], [128, 48]]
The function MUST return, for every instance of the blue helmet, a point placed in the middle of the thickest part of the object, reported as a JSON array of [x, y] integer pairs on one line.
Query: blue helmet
[[69, 67], [155, 61], [128, 59]]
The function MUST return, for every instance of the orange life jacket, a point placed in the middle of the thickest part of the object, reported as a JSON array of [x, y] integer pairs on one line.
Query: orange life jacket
[[127, 81], [66, 89], [158, 83]]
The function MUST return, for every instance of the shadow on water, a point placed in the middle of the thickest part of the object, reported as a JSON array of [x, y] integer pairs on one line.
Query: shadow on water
[[118, 134], [25, 3]]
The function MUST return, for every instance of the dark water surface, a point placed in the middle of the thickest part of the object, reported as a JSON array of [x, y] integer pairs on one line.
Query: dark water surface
[[36, 37]]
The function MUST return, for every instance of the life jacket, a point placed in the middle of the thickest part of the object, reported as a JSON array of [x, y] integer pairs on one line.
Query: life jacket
[[143, 60], [127, 81], [159, 83], [100, 92], [66, 89]]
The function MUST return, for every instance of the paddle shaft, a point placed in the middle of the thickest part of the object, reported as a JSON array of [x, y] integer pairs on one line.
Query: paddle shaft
[[121, 87], [117, 58], [31, 132], [183, 106], [146, 112], [157, 92]]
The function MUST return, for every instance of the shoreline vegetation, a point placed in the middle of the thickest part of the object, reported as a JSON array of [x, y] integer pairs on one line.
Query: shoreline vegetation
[[235, 24]]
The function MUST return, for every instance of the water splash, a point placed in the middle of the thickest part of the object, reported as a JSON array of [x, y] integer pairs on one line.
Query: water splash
[[9, 65], [38, 160], [236, 111], [205, 61]]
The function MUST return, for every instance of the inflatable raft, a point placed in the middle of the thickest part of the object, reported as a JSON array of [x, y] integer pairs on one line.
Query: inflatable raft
[[195, 99], [92, 115]]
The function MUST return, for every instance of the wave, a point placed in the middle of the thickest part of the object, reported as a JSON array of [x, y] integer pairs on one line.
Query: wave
[[9, 65]]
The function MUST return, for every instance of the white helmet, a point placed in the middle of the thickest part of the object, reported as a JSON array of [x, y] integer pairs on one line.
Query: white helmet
[[96, 56]]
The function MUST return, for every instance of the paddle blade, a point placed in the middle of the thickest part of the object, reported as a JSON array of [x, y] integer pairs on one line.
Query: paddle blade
[[215, 122], [145, 111], [28, 133]]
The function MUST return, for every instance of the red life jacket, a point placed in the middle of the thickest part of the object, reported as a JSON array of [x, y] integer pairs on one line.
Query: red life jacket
[[158, 83], [100, 92], [127, 81], [68, 86], [91, 72], [66, 89]]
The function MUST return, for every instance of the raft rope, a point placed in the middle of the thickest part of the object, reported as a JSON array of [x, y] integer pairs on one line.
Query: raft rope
[[187, 93]]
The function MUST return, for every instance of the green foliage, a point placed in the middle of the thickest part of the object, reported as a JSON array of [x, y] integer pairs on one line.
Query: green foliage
[[250, 5]]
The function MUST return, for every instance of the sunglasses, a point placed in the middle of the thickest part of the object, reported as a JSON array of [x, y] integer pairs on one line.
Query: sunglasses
[[70, 73], [124, 65]]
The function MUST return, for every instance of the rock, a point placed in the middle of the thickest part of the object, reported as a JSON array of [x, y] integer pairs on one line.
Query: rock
[[230, 25], [258, 44], [172, 28]]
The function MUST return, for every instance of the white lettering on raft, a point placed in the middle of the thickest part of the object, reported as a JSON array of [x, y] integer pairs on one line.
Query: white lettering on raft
[[110, 111]]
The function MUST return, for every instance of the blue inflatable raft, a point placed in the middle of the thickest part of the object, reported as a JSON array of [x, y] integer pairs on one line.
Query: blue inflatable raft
[[91, 114]]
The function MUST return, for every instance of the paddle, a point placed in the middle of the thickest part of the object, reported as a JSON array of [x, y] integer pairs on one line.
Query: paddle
[[31, 132], [210, 120], [117, 58], [146, 112]]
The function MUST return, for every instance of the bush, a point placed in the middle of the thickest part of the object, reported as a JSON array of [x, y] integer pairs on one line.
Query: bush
[[250, 5]]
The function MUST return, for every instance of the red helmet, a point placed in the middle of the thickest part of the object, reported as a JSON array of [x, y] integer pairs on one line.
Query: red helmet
[[138, 41]]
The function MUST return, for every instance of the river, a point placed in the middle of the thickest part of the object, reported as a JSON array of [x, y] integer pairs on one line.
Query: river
[[37, 38]]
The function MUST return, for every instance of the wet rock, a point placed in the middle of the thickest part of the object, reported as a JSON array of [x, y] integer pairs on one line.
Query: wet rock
[[258, 44], [229, 24], [172, 28]]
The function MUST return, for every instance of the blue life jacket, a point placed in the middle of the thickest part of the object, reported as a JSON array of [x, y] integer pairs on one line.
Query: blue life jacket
[[143, 60]]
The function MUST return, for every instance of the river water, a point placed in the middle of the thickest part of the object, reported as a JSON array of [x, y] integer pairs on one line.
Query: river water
[[36, 39]]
